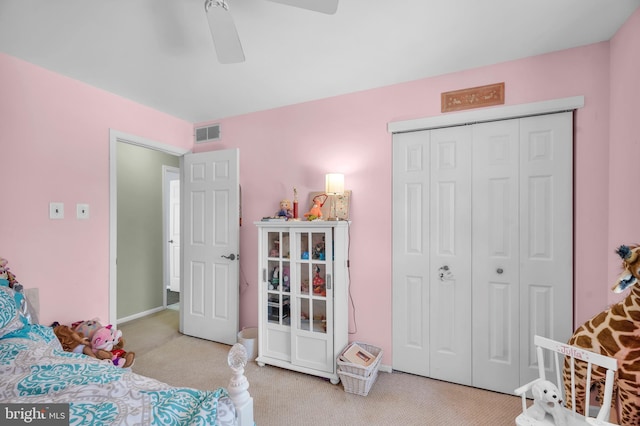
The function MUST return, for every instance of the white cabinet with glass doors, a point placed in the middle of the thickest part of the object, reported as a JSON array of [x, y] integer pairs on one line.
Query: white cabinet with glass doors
[[303, 276]]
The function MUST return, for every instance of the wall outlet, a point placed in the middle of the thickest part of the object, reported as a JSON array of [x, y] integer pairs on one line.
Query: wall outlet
[[82, 211], [56, 210]]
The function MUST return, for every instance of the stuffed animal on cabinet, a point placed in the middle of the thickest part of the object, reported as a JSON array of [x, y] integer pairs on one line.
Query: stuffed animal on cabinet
[[316, 210]]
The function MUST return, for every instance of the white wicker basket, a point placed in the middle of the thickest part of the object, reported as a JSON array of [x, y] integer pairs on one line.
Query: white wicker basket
[[357, 378], [359, 370], [359, 385]]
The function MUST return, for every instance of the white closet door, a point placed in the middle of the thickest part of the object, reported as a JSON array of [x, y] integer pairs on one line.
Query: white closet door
[[495, 257], [546, 233], [450, 255], [431, 253], [482, 248], [411, 267]]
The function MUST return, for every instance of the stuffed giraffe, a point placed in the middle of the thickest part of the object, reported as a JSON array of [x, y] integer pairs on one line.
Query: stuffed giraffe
[[615, 333]]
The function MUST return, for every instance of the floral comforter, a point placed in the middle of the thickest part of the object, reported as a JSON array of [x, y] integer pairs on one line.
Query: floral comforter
[[35, 369]]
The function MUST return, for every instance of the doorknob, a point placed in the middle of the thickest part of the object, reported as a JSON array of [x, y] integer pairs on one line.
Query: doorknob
[[171, 241], [499, 270], [445, 273], [230, 257]]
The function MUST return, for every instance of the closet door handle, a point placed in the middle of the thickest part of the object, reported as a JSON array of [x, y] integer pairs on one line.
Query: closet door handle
[[444, 273]]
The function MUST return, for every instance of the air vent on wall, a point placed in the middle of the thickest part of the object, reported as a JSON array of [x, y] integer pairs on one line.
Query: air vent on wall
[[207, 134]]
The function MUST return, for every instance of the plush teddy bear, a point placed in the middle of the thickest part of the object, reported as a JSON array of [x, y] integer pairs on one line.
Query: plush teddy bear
[[75, 342], [108, 340], [102, 339], [547, 399]]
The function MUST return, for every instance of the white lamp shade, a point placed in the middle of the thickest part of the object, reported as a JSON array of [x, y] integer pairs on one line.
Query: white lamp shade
[[334, 183]]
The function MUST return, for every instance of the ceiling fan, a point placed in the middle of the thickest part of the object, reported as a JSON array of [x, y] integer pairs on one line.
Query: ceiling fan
[[224, 33]]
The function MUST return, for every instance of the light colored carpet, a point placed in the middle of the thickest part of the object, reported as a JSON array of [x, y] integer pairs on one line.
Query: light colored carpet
[[283, 397]]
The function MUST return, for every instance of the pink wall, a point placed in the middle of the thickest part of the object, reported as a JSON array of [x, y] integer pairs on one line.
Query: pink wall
[[55, 147], [297, 145], [624, 139]]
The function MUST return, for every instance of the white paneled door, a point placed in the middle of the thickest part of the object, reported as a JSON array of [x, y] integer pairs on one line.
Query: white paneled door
[[546, 233], [495, 256], [482, 248], [449, 203], [210, 239], [411, 252]]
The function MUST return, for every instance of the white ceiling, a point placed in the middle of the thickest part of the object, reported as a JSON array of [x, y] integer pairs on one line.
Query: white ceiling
[[160, 52]]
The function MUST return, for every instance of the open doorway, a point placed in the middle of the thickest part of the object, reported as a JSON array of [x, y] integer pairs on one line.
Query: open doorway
[[134, 288], [171, 232]]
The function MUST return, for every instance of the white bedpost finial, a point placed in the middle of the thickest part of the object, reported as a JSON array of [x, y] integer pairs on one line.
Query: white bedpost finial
[[239, 385], [237, 357]]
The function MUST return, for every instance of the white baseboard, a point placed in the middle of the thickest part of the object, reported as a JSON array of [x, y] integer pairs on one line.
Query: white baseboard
[[140, 315], [385, 368]]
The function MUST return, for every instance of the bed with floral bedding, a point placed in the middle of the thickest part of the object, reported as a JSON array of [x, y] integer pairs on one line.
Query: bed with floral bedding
[[34, 369]]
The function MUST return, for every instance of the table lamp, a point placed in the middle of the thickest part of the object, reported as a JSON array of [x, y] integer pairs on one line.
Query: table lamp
[[334, 185]]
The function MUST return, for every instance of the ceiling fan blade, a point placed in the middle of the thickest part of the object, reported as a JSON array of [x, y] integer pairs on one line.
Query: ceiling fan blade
[[325, 6], [224, 33]]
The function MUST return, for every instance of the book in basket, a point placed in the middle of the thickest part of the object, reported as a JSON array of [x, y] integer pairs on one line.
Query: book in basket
[[356, 354]]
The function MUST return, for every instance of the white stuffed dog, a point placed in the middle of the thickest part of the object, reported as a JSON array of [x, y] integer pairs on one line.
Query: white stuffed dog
[[547, 399]]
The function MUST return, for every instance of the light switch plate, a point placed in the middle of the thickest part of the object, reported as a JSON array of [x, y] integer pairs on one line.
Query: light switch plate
[[82, 211], [56, 210]]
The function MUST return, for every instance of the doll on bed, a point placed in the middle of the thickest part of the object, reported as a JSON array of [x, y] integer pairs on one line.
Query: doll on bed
[[73, 341]]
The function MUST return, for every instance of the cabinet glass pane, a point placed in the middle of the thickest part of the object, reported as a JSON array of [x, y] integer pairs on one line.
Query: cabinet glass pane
[[277, 278], [312, 315], [303, 276], [318, 248], [303, 245], [310, 285], [311, 245], [312, 278], [278, 309], [278, 244], [318, 281], [305, 313], [320, 316], [285, 279]]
